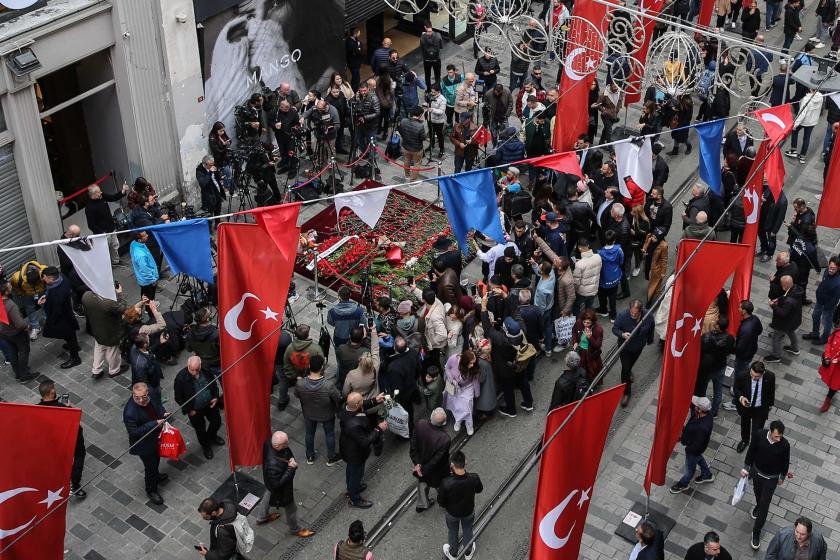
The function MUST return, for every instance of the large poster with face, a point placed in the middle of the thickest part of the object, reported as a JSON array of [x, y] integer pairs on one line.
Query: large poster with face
[[270, 42]]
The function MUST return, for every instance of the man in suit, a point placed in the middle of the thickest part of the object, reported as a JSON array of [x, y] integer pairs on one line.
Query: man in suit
[[754, 395], [142, 415], [736, 142]]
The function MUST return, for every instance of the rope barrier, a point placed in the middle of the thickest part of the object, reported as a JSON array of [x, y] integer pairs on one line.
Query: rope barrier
[[84, 189], [398, 164]]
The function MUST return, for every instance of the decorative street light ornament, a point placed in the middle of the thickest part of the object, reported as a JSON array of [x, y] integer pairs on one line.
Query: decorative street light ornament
[[580, 44], [751, 124], [740, 70], [627, 73], [625, 32], [407, 7], [491, 38], [527, 37], [505, 11], [674, 63], [460, 10]]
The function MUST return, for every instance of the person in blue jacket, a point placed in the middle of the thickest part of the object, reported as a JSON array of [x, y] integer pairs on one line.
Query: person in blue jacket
[[632, 343], [143, 414], [145, 268], [612, 259], [828, 296]]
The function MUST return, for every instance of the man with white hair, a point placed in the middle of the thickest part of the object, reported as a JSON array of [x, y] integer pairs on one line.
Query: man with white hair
[[695, 437], [566, 388], [430, 456], [279, 469], [466, 98], [99, 217], [197, 392], [699, 203]]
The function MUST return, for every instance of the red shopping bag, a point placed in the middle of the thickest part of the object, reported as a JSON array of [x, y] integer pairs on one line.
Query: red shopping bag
[[171, 443]]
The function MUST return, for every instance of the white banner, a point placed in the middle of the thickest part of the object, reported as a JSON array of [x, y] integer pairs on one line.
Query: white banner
[[368, 205], [93, 265]]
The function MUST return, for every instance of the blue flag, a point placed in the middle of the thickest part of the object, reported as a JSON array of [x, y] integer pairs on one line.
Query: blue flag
[[470, 201], [711, 134], [186, 246]]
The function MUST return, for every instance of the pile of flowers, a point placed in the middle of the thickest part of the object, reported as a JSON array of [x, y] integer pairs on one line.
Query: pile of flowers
[[397, 250]]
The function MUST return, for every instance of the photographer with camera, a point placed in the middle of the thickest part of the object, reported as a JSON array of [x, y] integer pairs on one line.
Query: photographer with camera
[[249, 123], [436, 105], [365, 116], [336, 98], [407, 96], [220, 149], [285, 122], [324, 121], [431, 44], [395, 67], [209, 179], [261, 166], [284, 92], [413, 133], [499, 105]]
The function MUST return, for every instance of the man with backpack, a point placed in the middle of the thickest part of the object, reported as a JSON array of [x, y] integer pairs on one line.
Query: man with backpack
[[296, 360], [571, 385], [230, 534], [345, 315]]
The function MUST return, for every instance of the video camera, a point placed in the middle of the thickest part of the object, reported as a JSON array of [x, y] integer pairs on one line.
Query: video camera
[[322, 123]]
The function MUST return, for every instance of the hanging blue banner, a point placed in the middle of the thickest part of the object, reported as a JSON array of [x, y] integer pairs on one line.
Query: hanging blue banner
[[470, 201], [186, 246], [711, 135]]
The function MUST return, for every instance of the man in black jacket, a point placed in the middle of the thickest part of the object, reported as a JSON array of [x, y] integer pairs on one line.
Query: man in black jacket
[[430, 456], [197, 393], [279, 469], [767, 462], [203, 339], [709, 549], [413, 133], [50, 398], [143, 415], [565, 388], [357, 437], [754, 395], [695, 437], [145, 367], [736, 141], [660, 166], [770, 221], [284, 121], [353, 54], [401, 374], [659, 211], [431, 45], [221, 515], [209, 179], [715, 347], [99, 217], [746, 345], [457, 496], [787, 316], [784, 267], [487, 68], [699, 203]]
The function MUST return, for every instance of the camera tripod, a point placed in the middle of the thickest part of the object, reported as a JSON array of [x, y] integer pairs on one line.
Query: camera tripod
[[325, 156], [192, 289]]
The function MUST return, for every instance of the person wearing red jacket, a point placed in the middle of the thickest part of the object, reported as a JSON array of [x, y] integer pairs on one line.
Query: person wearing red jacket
[[830, 368]]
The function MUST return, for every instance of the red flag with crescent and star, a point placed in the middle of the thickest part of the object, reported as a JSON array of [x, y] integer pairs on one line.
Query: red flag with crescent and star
[[777, 123], [35, 479], [566, 480], [584, 54], [254, 276], [828, 214], [694, 289], [634, 90], [742, 282]]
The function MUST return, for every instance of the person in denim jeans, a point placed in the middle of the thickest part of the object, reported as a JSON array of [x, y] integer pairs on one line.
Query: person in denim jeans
[[457, 496], [319, 402], [715, 346], [827, 298], [695, 437]]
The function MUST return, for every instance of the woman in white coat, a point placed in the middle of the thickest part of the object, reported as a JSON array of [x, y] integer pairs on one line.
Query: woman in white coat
[[806, 119]]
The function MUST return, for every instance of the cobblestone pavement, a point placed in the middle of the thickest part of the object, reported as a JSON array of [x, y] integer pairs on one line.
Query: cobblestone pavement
[[116, 520]]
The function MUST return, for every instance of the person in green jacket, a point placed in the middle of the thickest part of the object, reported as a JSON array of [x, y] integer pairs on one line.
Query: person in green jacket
[[296, 362]]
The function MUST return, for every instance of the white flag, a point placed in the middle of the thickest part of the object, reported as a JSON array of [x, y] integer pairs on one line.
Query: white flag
[[93, 265], [368, 205], [636, 161]]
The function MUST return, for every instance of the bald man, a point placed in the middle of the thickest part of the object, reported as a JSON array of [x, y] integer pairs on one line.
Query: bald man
[[100, 219], [357, 438], [279, 469], [197, 393], [429, 454], [66, 267]]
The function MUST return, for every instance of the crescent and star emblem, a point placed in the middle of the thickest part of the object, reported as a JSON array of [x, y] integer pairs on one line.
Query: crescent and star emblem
[[771, 118], [567, 67], [677, 326], [52, 497], [754, 201], [231, 320], [547, 533]]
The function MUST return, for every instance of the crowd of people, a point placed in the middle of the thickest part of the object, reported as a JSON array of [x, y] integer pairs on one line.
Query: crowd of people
[[448, 352]]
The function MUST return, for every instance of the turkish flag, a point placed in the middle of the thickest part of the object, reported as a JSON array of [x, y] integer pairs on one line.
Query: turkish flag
[[35, 478], [651, 8], [581, 62], [828, 214], [482, 136], [742, 282], [704, 19], [777, 122], [565, 162], [254, 281], [566, 480], [693, 291]]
